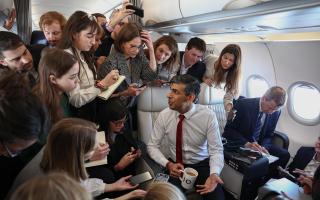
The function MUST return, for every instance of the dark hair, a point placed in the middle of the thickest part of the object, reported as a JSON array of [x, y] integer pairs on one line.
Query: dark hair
[[277, 94], [111, 110], [197, 43], [49, 17], [22, 115], [76, 23], [99, 15], [55, 62], [9, 41], [316, 185], [173, 47], [191, 83], [234, 72], [128, 32]]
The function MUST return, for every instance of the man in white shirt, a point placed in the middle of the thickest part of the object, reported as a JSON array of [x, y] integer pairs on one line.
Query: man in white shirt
[[200, 147]]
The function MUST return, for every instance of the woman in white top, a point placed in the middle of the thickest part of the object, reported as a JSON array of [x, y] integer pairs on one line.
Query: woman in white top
[[225, 70], [78, 37], [70, 143]]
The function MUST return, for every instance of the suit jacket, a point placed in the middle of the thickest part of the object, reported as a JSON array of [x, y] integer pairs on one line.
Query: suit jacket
[[241, 129], [302, 158], [197, 70]]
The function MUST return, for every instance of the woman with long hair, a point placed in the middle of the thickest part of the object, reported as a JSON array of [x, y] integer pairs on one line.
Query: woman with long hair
[[226, 70], [78, 37], [58, 74], [70, 143], [167, 57]]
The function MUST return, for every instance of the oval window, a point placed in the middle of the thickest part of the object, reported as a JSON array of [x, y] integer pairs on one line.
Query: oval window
[[304, 104]]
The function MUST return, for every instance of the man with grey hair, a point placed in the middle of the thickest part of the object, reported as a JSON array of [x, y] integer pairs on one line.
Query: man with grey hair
[[254, 125]]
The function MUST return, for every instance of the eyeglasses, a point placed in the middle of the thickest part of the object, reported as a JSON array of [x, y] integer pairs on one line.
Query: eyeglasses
[[9, 152], [120, 122]]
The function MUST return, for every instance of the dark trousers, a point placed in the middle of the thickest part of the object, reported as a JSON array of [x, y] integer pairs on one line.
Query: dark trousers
[[203, 170], [283, 156]]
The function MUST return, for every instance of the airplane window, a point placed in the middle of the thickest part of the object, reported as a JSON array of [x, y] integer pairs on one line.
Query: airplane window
[[256, 86], [304, 104]]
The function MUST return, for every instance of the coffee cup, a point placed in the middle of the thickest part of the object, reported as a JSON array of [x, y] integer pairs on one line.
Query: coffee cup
[[189, 177]]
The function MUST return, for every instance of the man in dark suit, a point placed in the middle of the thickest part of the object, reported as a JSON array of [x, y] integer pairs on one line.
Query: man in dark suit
[[307, 159], [255, 122], [191, 59]]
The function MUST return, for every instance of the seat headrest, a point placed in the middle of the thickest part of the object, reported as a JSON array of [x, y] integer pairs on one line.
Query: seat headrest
[[153, 99], [211, 95]]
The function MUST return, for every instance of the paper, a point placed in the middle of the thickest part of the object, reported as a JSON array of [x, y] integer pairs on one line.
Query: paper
[[270, 157], [107, 93], [101, 138]]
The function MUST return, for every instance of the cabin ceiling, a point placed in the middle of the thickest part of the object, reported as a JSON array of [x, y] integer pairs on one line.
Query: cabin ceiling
[[278, 16], [67, 7]]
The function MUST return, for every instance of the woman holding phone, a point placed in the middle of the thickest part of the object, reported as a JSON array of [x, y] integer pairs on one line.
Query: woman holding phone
[[129, 59], [124, 150]]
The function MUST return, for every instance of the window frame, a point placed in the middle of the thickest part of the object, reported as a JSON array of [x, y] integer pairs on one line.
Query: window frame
[[256, 76], [292, 112]]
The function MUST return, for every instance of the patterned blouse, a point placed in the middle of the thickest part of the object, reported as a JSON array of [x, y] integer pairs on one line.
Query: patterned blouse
[[140, 69]]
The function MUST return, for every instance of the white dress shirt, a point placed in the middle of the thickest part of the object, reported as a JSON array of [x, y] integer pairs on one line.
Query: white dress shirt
[[184, 68], [85, 91], [312, 166], [201, 137]]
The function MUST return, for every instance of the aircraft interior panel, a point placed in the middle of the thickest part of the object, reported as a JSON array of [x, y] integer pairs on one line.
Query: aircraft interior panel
[[296, 61]]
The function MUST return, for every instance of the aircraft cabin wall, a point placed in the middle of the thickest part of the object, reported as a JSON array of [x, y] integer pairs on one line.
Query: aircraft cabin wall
[[283, 63]]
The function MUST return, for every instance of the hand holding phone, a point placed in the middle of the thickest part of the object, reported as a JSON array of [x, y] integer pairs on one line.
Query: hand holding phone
[[137, 11]]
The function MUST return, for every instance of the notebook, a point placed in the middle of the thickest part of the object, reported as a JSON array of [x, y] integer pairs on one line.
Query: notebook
[[107, 93], [100, 137]]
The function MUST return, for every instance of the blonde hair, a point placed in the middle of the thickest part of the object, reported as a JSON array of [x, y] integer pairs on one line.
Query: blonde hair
[[72, 138], [54, 186], [164, 191]]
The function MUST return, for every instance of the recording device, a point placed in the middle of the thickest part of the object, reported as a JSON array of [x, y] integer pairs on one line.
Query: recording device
[[160, 177], [137, 11], [140, 178]]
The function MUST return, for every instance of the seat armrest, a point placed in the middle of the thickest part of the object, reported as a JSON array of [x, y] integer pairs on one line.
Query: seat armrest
[[280, 139]]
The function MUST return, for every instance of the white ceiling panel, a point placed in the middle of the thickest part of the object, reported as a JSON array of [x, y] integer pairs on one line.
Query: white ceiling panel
[[68, 7]]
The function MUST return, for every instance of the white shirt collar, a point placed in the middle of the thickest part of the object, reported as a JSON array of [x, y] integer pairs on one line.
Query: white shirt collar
[[188, 114]]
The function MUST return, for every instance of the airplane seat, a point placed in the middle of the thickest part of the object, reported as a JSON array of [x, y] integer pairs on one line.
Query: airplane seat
[[280, 139], [37, 37], [213, 98]]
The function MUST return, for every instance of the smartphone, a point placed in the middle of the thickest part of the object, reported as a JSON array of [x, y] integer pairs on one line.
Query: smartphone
[[160, 177], [140, 178], [141, 86], [137, 11]]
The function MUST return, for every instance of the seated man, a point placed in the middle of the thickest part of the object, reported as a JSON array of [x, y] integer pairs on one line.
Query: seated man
[[193, 136], [254, 125], [306, 161], [22, 125], [14, 55], [191, 59]]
